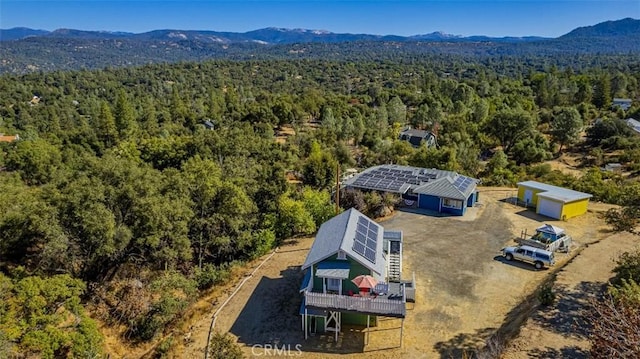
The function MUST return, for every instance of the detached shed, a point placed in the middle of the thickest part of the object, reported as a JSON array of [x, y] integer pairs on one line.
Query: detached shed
[[553, 201]]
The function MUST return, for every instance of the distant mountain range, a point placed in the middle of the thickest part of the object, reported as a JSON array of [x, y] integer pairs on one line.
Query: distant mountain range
[[26, 50], [271, 35]]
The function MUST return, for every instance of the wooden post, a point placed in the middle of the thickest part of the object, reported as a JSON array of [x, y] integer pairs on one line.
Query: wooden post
[[338, 320]]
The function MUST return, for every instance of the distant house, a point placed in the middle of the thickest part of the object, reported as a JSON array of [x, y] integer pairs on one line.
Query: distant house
[[4, 138], [623, 103], [427, 188], [417, 137], [553, 201], [633, 124], [347, 246], [613, 167], [208, 124]]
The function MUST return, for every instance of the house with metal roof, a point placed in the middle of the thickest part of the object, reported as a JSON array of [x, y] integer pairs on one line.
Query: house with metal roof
[[553, 201], [348, 246], [633, 124], [418, 138], [432, 189], [623, 103]]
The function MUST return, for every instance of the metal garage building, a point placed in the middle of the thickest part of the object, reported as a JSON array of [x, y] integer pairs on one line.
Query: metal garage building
[[552, 201]]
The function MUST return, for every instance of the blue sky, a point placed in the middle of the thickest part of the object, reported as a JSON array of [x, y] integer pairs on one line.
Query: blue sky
[[399, 17]]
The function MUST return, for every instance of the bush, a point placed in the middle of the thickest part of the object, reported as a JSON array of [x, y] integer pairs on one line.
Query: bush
[[174, 293], [211, 275], [627, 268], [222, 346], [546, 295]]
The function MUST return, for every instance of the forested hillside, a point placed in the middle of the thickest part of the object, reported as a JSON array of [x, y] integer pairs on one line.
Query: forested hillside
[[66, 49], [130, 191]]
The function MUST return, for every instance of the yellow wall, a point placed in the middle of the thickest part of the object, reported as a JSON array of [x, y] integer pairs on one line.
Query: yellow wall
[[534, 198], [573, 209]]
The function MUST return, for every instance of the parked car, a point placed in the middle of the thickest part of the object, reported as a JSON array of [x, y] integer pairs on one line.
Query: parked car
[[540, 258]]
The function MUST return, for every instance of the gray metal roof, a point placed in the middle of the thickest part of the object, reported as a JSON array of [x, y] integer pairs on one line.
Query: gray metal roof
[[634, 124], [554, 192], [395, 178], [339, 233], [458, 187], [333, 269], [393, 235]]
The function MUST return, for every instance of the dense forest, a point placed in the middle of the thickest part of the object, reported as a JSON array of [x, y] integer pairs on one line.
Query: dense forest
[[130, 191]]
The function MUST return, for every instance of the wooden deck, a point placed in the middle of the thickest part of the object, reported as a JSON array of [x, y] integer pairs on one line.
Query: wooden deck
[[364, 305]]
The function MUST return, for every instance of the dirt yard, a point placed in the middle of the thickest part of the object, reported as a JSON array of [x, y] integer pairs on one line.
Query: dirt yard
[[465, 291]]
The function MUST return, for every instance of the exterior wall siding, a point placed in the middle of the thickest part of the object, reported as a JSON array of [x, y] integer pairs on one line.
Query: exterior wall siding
[[358, 319], [355, 270], [472, 199], [455, 211], [433, 203], [429, 202], [573, 209], [534, 197]]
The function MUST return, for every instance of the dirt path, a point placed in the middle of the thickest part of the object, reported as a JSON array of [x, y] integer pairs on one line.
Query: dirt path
[[560, 330], [291, 254]]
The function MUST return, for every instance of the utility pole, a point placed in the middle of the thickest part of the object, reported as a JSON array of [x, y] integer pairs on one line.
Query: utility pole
[[338, 189]]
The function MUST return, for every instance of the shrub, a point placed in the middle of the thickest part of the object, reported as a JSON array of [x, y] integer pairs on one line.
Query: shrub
[[174, 292], [211, 275], [627, 268], [222, 346], [546, 295]]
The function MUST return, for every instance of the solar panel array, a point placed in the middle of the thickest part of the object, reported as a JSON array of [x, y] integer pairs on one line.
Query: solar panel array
[[366, 238], [392, 179], [462, 183]]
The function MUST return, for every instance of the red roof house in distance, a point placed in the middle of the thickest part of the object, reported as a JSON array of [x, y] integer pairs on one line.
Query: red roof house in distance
[[4, 138]]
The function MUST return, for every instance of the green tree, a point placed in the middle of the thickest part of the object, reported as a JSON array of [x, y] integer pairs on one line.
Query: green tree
[[293, 218], [319, 169], [509, 126], [124, 115], [43, 316], [602, 92], [105, 126], [36, 160], [566, 126], [318, 204], [397, 111]]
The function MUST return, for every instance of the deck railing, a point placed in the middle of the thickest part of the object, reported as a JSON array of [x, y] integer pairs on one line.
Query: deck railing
[[369, 305]]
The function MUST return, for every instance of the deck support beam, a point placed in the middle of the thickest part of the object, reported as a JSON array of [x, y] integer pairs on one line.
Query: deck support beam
[[366, 341], [401, 332]]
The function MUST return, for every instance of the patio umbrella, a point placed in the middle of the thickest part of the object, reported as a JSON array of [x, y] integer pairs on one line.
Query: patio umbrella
[[365, 281]]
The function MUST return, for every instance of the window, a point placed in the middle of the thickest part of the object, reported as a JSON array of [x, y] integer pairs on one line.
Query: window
[[333, 284], [451, 203], [342, 255]]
